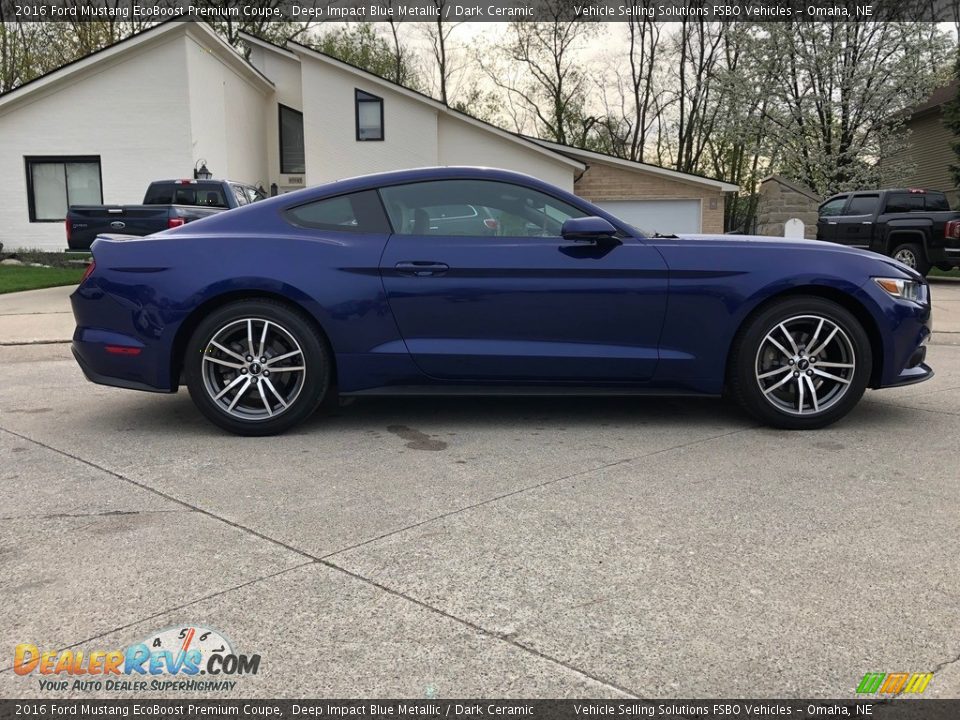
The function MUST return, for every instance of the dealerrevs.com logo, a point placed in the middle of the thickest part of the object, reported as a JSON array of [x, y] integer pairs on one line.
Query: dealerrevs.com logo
[[188, 658]]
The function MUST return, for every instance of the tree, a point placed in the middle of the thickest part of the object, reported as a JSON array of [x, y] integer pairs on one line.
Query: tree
[[951, 119], [840, 94], [546, 80], [360, 45], [634, 104]]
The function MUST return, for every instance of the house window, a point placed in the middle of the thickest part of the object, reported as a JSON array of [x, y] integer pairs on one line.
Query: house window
[[369, 116], [291, 142], [56, 183]]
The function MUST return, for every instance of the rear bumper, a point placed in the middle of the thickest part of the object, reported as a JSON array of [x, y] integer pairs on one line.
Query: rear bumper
[[133, 354], [101, 379]]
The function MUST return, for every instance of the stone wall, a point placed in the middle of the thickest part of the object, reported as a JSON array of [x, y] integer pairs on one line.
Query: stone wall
[[780, 200]]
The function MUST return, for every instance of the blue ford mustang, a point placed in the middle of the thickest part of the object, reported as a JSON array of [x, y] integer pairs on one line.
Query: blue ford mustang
[[471, 280]]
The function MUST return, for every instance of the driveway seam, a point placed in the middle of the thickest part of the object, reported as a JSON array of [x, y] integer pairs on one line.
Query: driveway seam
[[167, 611], [383, 588], [480, 629], [528, 488]]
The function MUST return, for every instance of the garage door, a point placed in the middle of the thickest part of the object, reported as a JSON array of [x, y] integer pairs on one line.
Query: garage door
[[669, 217]]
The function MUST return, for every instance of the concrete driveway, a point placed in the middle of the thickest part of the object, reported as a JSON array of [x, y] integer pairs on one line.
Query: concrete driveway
[[486, 547]]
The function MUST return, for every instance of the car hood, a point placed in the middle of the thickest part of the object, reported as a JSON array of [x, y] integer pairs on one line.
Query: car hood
[[818, 246]]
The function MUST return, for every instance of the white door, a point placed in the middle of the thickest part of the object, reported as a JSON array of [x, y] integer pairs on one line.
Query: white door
[[668, 217]]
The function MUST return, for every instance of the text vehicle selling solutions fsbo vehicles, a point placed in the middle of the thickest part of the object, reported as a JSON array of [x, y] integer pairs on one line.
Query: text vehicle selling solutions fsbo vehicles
[[469, 281]]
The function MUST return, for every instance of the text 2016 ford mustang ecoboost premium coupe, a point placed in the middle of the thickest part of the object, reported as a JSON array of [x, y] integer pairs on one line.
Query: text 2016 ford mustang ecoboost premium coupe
[[470, 280]]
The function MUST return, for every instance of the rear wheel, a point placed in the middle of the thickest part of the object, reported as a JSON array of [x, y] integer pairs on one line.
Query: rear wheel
[[911, 255], [801, 363], [257, 367]]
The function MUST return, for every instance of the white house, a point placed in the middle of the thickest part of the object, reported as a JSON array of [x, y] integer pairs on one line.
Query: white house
[[157, 104]]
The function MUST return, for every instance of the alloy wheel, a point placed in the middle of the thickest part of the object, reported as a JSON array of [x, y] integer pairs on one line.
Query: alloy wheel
[[907, 257], [805, 365], [253, 369]]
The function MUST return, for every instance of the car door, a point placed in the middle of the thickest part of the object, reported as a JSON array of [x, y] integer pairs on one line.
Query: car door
[[508, 299], [828, 218], [855, 226]]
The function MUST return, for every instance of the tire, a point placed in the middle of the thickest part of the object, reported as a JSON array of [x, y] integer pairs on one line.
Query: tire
[[912, 255], [263, 398], [767, 371]]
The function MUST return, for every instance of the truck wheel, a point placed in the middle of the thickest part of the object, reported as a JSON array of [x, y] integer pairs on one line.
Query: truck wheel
[[912, 255], [800, 363]]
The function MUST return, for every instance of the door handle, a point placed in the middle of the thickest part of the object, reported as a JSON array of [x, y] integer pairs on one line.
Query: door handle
[[831, 222], [421, 268]]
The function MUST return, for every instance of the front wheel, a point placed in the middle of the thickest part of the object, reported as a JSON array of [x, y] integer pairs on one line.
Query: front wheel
[[911, 255], [257, 367], [801, 363]]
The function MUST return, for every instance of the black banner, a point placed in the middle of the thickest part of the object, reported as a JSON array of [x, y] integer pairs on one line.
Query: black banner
[[884, 709], [478, 10]]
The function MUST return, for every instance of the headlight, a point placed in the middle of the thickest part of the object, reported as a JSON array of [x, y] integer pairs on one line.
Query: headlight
[[904, 289]]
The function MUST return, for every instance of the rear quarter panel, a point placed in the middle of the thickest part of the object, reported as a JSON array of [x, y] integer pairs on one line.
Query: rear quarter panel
[[154, 285]]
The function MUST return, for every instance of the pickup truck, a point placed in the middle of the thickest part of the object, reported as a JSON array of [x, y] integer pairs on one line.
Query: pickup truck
[[913, 226], [167, 204]]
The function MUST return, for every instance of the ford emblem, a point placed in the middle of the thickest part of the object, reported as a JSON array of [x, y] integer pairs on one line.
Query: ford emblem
[[117, 225]]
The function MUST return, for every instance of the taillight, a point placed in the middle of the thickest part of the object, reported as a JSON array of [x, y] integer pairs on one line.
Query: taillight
[[69, 226], [952, 230], [176, 222], [89, 271], [491, 223]]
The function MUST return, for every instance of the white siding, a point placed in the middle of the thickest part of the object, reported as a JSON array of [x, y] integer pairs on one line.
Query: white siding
[[284, 72], [133, 112], [228, 117], [462, 143], [329, 125]]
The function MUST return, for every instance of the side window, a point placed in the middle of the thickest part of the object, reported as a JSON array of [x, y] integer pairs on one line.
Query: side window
[[937, 203], [369, 110], [475, 208], [292, 148], [863, 205], [358, 213], [903, 203], [239, 195], [833, 207], [159, 194]]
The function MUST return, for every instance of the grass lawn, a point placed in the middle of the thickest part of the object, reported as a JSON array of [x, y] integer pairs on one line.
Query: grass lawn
[[937, 272], [14, 278]]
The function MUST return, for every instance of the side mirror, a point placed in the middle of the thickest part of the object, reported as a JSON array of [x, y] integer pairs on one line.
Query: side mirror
[[587, 229]]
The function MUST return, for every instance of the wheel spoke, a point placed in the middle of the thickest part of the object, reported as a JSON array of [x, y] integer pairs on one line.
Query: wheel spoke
[[229, 352], [800, 386], [263, 338], [250, 336], [825, 342], [776, 385], [236, 381], [816, 334], [835, 365], [290, 368], [781, 348], [813, 392], [263, 396], [278, 358], [266, 381], [239, 394], [765, 375], [829, 376], [793, 344], [218, 361]]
